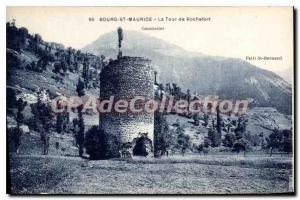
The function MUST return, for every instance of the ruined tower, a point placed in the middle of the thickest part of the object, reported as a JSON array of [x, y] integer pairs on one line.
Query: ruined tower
[[126, 78]]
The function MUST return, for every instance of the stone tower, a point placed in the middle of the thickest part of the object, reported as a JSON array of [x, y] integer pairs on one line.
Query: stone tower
[[126, 78]]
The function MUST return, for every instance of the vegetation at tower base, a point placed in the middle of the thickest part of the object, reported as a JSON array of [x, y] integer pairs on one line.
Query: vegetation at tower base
[[126, 78], [95, 143]]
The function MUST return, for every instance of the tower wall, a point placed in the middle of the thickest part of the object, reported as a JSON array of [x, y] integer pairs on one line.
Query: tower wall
[[125, 79]]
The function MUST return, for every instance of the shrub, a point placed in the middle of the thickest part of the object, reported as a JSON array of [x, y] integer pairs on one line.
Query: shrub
[[241, 145], [95, 143], [228, 140]]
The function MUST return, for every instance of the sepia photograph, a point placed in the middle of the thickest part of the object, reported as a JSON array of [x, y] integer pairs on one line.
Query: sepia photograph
[[150, 100]]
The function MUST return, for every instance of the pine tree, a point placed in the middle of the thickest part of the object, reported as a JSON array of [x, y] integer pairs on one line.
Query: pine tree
[[205, 119], [161, 130], [211, 135], [287, 143], [80, 87], [183, 141], [219, 129], [43, 117], [240, 129], [274, 140], [17, 131], [155, 76], [241, 145], [59, 123], [20, 104], [80, 133], [85, 72], [120, 39], [228, 140], [196, 119]]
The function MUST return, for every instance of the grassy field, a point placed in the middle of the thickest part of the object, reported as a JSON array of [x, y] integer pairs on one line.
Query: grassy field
[[184, 175]]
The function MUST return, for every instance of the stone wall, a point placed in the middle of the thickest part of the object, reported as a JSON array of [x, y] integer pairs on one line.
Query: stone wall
[[124, 79]]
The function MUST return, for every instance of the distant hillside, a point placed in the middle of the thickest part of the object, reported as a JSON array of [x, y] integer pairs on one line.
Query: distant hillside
[[33, 63], [228, 78], [287, 75]]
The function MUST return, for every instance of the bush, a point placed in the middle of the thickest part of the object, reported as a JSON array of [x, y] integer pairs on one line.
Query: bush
[[228, 140], [241, 145], [95, 143], [10, 98]]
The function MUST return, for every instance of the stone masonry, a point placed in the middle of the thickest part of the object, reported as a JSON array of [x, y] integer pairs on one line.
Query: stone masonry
[[126, 78]]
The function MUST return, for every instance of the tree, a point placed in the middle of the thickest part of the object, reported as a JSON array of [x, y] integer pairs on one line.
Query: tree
[[13, 61], [64, 66], [188, 95], [219, 129], [287, 144], [183, 141], [196, 119], [16, 132], [59, 123], [33, 66], [81, 127], [95, 143], [161, 89], [85, 72], [57, 67], [36, 42], [43, 117], [10, 98], [80, 87], [120, 39], [241, 145], [161, 130], [241, 128], [211, 136], [274, 140], [59, 118], [155, 78], [70, 55], [79, 131], [20, 104], [39, 66], [254, 139], [206, 142], [102, 61], [228, 140], [205, 119], [23, 33]]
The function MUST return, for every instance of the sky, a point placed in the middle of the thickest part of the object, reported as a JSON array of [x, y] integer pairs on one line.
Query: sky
[[237, 32]]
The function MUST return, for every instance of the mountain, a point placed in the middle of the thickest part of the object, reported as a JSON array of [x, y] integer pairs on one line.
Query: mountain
[[229, 78], [286, 74]]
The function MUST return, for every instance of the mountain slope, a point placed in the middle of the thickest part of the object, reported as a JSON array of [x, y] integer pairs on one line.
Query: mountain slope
[[228, 78], [286, 74]]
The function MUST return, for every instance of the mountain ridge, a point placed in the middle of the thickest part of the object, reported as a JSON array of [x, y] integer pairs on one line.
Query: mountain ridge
[[230, 78]]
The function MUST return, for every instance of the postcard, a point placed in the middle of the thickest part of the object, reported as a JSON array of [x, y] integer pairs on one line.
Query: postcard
[[150, 100]]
